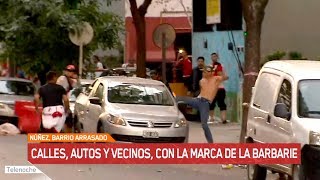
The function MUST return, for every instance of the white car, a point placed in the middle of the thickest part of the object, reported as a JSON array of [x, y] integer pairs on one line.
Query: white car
[[131, 109], [285, 108]]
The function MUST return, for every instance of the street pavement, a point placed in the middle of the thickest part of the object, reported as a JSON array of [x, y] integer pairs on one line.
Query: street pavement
[[13, 152]]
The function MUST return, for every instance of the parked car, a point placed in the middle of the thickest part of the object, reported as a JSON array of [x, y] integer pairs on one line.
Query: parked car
[[12, 90], [129, 71], [285, 108], [131, 109]]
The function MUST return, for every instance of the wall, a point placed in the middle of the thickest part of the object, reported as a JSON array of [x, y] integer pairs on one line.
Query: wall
[[218, 42], [157, 6], [291, 25]]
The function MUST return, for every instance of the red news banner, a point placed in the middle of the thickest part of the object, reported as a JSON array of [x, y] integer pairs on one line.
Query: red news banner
[[188, 153]]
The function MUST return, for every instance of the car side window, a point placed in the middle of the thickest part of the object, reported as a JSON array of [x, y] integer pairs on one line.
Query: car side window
[[265, 91], [89, 88], [99, 91], [285, 94]]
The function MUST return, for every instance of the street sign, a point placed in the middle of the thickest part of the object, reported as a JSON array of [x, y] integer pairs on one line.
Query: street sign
[[170, 35], [163, 37], [81, 35]]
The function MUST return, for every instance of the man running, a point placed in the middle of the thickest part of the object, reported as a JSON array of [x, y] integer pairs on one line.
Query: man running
[[55, 104], [209, 85]]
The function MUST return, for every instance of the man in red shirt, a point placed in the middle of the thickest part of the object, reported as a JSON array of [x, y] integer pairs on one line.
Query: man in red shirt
[[186, 64], [221, 94]]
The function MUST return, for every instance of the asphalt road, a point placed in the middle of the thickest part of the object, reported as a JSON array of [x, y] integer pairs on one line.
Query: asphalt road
[[13, 151]]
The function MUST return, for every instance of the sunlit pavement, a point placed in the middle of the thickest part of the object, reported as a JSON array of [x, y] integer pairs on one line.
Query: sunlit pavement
[[13, 151]]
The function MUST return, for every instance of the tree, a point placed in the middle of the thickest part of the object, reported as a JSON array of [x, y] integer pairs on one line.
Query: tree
[[253, 12], [35, 32], [138, 16]]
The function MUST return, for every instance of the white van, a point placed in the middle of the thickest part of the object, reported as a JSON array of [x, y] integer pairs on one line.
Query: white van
[[285, 108]]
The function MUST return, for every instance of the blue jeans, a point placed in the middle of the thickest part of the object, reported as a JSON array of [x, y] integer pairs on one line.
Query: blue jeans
[[203, 106]]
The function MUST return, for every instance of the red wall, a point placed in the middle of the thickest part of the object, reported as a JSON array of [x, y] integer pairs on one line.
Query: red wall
[[154, 54]]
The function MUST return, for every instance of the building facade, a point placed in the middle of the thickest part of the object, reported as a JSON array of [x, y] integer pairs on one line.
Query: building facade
[[174, 12], [227, 39]]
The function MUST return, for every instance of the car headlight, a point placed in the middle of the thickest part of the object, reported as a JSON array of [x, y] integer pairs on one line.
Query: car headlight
[[116, 120], [314, 138], [180, 123]]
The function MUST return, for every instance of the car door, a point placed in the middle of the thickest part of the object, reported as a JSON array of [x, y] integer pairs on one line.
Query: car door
[[82, 104], [261, 106], [282, 128], [94, 110]]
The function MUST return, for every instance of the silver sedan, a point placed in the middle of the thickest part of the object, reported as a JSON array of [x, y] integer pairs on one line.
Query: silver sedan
[[131, 109]]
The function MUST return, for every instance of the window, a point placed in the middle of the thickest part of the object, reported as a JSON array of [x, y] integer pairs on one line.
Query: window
[[75, 92], [99, 91], [285, 94], [139, 94], [308, 99], [231, 15], [199, 14], [89, 89], [21, 88], [265, 88]]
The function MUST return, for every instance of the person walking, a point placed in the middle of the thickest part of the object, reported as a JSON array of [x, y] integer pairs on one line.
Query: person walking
[[66, 80], [99, 66], [209, 86], [221, 94], [55, 104], [197, 75]]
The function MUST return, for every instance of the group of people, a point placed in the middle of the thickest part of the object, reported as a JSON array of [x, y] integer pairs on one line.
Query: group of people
[[206, 81], [192, 78], [56, 114]]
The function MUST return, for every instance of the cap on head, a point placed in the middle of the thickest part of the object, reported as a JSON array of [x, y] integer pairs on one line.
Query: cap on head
[[70, 68]]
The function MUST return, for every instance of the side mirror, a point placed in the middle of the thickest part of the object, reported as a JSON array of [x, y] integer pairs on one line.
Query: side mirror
[[281, 111], [95, 100]]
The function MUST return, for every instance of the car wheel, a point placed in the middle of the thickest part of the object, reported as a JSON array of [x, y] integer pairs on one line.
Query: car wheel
[[101, 128], [77, 126], [256, 172], [297, 173]]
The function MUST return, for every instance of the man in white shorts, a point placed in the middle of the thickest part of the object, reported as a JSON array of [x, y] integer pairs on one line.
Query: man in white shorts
[[55, 104]]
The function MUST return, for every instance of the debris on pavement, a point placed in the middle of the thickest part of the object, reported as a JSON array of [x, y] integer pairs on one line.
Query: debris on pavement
[[8, 129], [227, 166], [230, 166]]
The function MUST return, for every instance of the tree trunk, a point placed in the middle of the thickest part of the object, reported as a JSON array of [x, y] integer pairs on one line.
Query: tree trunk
[[138, 15], [140, 26], [253, 11]]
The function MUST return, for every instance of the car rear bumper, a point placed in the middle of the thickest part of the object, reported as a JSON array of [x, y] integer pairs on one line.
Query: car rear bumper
[[135, 134]]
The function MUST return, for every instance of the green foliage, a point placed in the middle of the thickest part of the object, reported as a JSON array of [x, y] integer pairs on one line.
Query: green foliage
[[35, 32], [294, 55], [276, 56]]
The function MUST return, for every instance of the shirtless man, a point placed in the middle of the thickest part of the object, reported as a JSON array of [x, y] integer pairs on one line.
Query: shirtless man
[[209, 86]]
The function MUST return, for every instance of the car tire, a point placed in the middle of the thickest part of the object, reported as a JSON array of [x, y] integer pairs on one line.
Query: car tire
[[101, 127], [256, 172]]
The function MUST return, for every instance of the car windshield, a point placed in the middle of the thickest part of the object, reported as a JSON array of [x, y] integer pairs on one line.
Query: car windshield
[[20, 88], [74, 93], [308, 99], [139, 94]]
